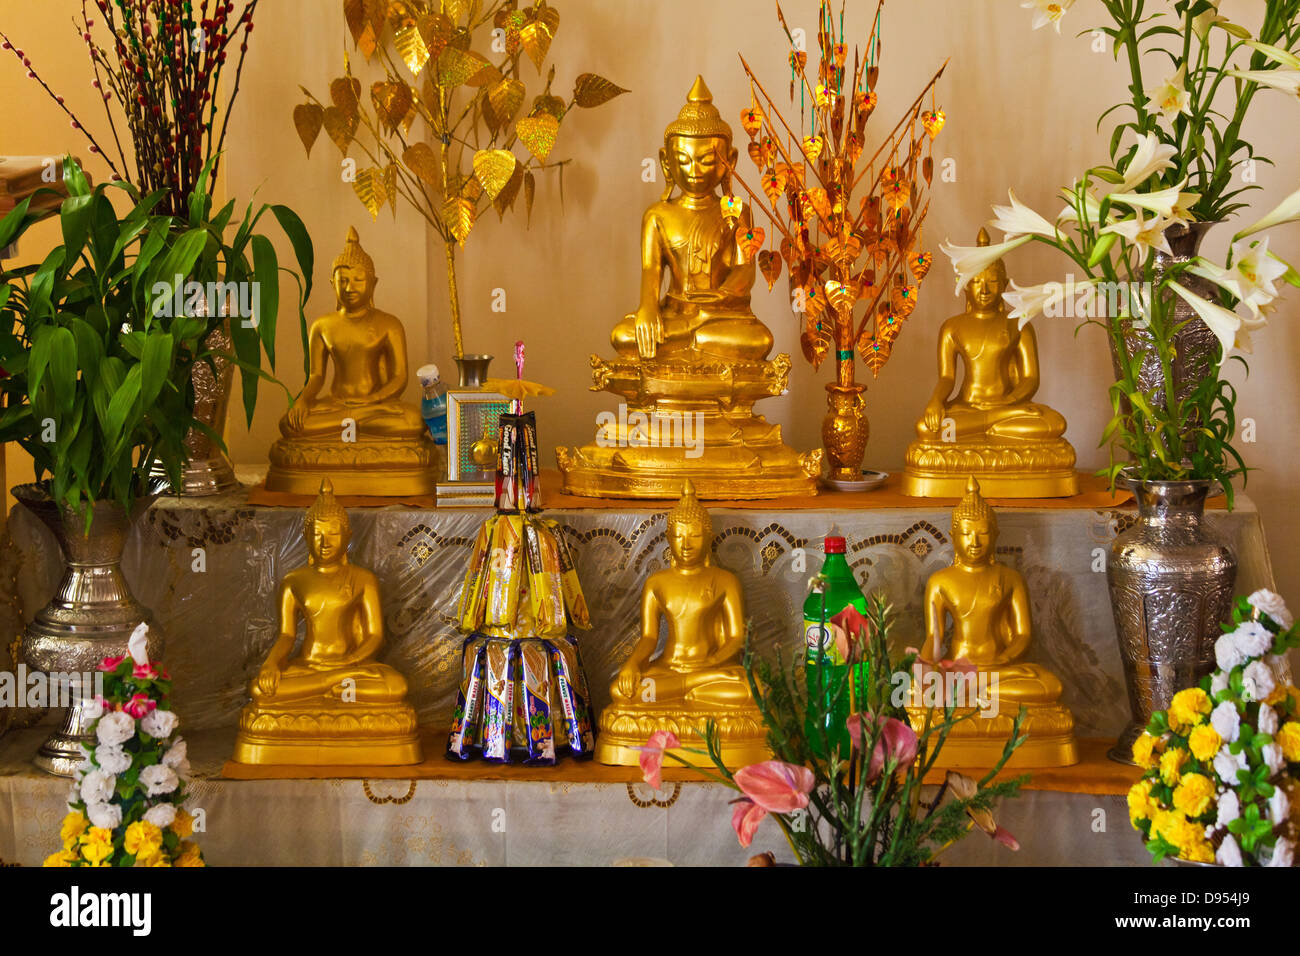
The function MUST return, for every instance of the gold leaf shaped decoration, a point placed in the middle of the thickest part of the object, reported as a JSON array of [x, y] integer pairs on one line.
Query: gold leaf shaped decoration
[[505, 96], [769, 263], [400, 14], [590, 90], [547, 15], [436, 30], [506, 198], [455, 67], [390, 186], [412, 48], [820, 202], [345, 93], [927, 170], [750, 241], [392, 101], [457, 10], [538, 133], [354, 12], [307, 119], [535, 38], [774, 184], [841, 296], [458, 214], [920, 264], [494, 169], [369, 187], [547, 104], [340, 126], [903, 299]]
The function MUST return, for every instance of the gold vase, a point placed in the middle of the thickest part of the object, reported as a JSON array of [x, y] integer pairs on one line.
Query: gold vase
[[844, 433]]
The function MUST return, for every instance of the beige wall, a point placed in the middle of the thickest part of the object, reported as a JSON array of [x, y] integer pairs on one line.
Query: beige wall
[[1021, 105]]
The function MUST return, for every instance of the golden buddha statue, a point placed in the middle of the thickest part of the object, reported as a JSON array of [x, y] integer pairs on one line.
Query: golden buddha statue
[[698, 676], [691, 360], [991, 630], [990, 428], [332, 704], [358, 433]]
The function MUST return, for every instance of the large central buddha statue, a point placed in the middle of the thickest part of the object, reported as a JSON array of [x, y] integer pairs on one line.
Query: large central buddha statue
[[357, 432], [333, 703], [990, 428], [692, 359], [697, 676], [988, 604]]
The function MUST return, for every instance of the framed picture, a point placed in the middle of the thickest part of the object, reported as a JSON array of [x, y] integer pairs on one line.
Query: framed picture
[[473, 420]]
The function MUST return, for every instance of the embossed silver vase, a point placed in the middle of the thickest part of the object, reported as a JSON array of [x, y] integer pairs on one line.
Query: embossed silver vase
[[90, 617], [1170, 588]]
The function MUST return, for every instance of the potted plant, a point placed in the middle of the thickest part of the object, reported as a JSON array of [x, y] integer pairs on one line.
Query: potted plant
[[1131, 228]]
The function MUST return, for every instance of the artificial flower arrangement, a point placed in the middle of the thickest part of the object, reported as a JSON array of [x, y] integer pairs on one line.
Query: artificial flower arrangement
[[863, 805], [126, 807], [1219, 766], [1174, 414]]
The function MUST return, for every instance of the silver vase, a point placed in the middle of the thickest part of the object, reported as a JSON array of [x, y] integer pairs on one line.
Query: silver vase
[[472, 370], [1170, 589], [91, 615]]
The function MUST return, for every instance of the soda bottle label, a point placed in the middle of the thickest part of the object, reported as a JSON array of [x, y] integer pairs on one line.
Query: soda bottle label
[[820, 641]]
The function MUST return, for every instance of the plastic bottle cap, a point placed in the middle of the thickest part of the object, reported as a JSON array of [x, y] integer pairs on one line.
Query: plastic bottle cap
[[427, 374], [835, 545]]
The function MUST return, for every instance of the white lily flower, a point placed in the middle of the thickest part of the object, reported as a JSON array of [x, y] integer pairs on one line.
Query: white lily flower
[[1171, 97], [1091, 205], [1146, 234], [1047, 11], [1161, 201], [1287, 211], [1019, 220], [1288, 81], [1224, 323], [1182, 211], [1028, 302], [970, 261], [1152, 156], [1255, 271], [1276, 54], [1202, 23]]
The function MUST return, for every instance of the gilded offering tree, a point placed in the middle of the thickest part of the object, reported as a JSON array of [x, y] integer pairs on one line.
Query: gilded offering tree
[[473, 108]]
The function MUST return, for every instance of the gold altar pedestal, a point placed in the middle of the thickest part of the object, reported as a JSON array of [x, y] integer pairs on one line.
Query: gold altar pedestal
[[977, 742], [351, 735], [390, 468], [623, 730], [937, 469]]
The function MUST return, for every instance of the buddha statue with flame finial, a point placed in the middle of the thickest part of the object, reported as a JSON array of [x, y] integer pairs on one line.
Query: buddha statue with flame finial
[[988, 603], [692, 359], [990, 429], [359, 433], [698, 676], [332, 704]]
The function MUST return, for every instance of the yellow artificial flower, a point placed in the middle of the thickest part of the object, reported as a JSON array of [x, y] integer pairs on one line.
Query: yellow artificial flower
[[157, 858], [73, 826], [65, 857], [1140, 804], [1204, 742], [1144, 751], [1171, 765], [183, 824], [1279, 694], [1197, 849], [143, 839], [1169, 824], [1194, 794], [1288, 737], [1189, 708], [189, 855], [97, 845]]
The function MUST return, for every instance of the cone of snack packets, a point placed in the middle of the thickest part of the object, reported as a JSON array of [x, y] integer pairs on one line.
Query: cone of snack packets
[[523, 694]]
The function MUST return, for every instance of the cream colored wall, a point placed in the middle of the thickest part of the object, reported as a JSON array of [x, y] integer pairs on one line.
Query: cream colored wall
[[1021, 105]]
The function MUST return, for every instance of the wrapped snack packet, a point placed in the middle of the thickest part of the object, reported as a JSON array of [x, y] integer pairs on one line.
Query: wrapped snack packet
[[573, 698], [572, 587], [545, 586], [474, 591], [507, 463], [498, 701], [466, 724], [505, 571], [534, 663], [528, 495]]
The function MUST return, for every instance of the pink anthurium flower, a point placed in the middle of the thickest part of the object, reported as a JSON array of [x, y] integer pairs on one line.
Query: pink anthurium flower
[[745, 818], [896, 742], [775, 786], [856, 627], [652, 756]]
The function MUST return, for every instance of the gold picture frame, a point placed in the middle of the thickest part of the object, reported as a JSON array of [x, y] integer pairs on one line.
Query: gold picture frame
[[471, 417]]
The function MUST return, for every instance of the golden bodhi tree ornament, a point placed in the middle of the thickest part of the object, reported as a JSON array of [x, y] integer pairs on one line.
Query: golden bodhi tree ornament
[[474, 107], [850, 230]]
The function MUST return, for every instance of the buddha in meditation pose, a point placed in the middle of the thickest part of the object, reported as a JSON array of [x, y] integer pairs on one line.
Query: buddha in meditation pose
[[692, 358], [988, 604], [333, 703], [698, 675], [990, 428], [356, 431]]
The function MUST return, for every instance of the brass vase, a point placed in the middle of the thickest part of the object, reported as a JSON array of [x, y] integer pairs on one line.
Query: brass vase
[[844, 434], [1170, 589], [472, 370], [91, 615]]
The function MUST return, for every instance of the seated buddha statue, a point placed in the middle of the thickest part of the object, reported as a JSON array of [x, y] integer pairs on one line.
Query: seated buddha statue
[[990, 428], [692, 358], [988, 604], [333, 703], [698, 675], [357, 431]]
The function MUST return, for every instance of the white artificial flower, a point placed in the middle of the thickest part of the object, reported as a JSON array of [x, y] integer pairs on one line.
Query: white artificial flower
[[1228, 853], [158, 779], [1047, 11], [1161, 201], [1171, 97], [1218, 682], [1288, 81], [1019, 220], [159, 723], [970, 261], [1287, 211], [1227, 654], [1252, 639], [1226, 765], [1229, 807], [1226, 722], [1224, 323], [98, 786], [115, 729], [1283, 853], [1257, 681], [1028, 302], [162, 815], [177, 757], [1251, 278], [137, 645], [1151, 157], [1268, 602], [1273, 757], [1182, 211], [113, 760], [106, 815], [1143, 232], [1278, 807], [1266, 722]]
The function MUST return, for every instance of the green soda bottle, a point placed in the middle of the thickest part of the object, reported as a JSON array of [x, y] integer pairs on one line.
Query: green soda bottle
[[823, 665]]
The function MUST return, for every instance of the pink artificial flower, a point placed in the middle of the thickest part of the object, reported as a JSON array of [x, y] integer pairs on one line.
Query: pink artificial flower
[[1003, 836], [139, 706], [857, 627], [652, 756], [109, 664], [745, 819], [144, 671], [775, 786], [897, 741]]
